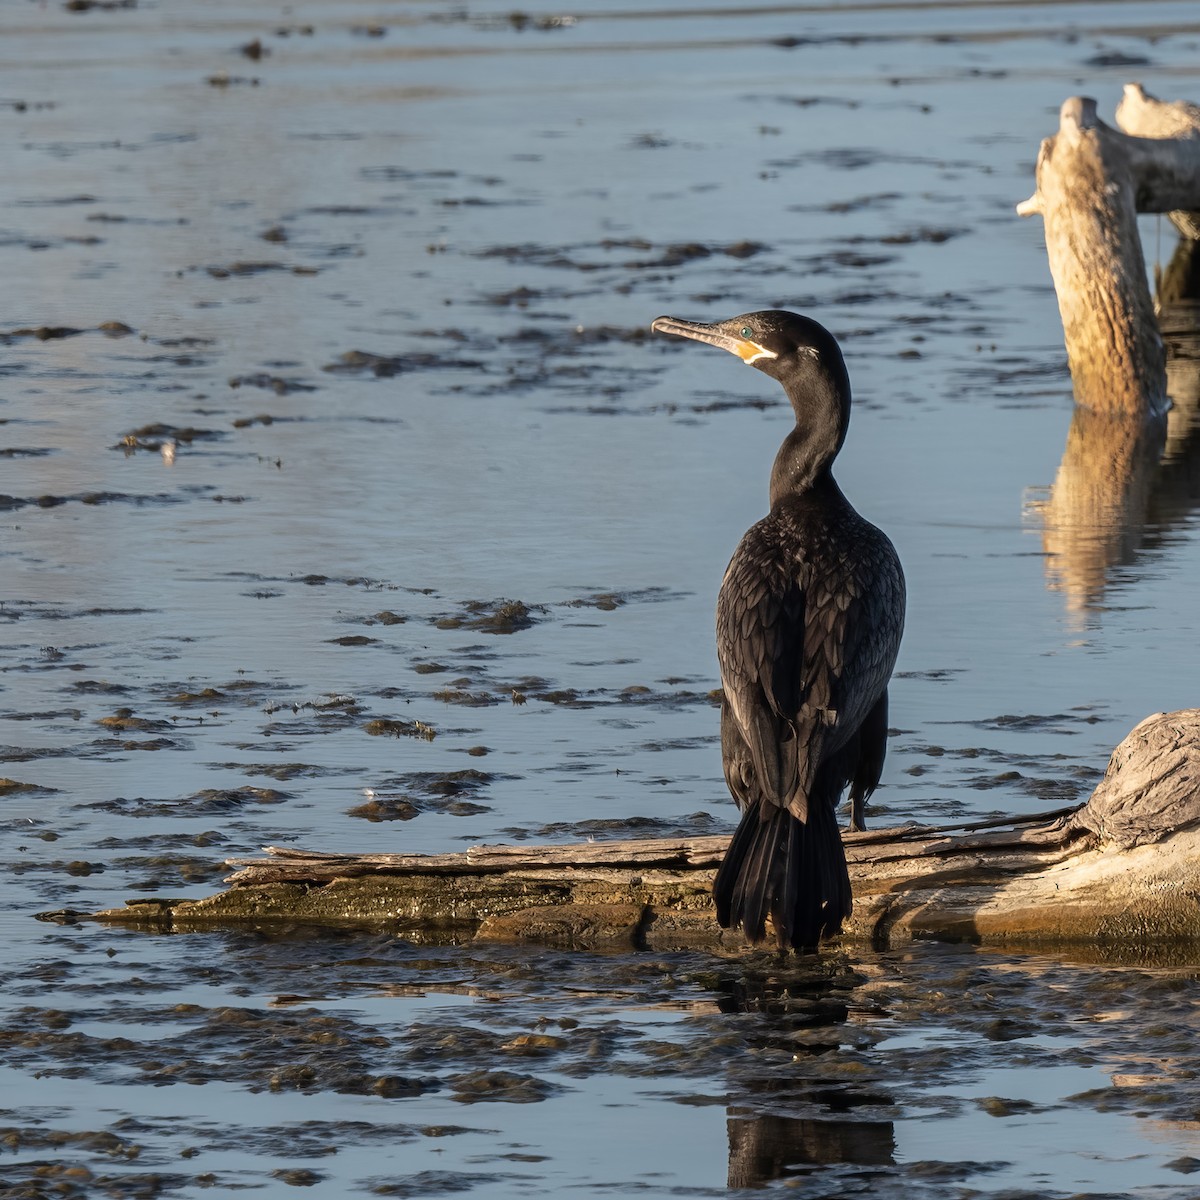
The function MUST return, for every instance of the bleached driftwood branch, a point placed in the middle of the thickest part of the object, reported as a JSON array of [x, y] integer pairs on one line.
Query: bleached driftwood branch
[[1092, 181], [1123, 867], [1141, 115]]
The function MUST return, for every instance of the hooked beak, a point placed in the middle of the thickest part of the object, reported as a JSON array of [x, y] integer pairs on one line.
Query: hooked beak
[[715, 335]]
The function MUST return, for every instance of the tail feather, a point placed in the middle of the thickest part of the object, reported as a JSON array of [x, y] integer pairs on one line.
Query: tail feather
[[790, 870], [749, 889]]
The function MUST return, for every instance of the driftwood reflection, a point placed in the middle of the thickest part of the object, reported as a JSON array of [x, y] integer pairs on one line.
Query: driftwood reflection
[[787, 1119], [1178, 490], [1123, 479]]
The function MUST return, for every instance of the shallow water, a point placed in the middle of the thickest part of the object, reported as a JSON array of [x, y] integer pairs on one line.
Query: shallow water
[[383, 294]]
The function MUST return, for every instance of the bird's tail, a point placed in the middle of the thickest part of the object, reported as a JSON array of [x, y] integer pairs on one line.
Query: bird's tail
[[790, 870]]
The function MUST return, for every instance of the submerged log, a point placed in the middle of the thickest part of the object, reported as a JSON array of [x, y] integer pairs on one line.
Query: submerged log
[[1124, 867], [1092, 181]]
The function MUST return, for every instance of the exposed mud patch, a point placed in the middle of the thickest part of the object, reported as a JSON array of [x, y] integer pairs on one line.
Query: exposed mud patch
[[493, 616], [403, 797], [388, 727], [697, 824], [385, 366], [203, 804]]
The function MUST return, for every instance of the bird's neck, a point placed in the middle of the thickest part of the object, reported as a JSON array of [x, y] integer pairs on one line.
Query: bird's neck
[[804, 463], [820, 399]]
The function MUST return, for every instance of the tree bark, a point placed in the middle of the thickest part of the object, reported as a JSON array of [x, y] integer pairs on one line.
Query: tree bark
[[1092, 181], [1141, 115], [1125, 867]]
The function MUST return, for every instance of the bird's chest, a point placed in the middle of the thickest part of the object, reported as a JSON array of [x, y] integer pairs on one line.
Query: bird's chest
[[806, 608], [830, 561]]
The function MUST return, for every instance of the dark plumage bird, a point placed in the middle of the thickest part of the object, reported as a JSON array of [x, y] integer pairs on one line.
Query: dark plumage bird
[[808, 627]]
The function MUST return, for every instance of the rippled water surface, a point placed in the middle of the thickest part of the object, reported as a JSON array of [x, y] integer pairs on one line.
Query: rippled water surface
[[327, 398]]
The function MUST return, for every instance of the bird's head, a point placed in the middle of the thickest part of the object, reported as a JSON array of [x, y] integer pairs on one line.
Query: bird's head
[[800, 354], [772, 340]]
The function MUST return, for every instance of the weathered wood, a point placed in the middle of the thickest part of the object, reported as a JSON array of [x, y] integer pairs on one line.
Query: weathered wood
[[1124, 866], [1119, 472], [1142, 115], [1092, 181], [317, 866], [1151, 788]]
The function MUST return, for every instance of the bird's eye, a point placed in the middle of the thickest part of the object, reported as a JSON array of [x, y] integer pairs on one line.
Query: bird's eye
[[747, 331]]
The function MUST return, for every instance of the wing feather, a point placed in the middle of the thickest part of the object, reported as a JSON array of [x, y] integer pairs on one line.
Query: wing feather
[[806, 639]]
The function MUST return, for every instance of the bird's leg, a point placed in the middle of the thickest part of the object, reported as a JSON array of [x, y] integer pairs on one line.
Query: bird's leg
[[858, 814]]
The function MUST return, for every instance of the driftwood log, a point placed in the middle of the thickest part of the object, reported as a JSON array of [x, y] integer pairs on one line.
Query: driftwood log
[[1141, 115], [1092, 181], [1122, 868], [1123, 460]]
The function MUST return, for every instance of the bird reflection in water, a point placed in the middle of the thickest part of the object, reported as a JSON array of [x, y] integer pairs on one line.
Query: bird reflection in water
[[1123, 479], [784, 1123], [767, 1147]]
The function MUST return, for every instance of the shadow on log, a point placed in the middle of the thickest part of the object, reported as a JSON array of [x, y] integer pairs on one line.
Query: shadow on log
[[1124, 867]]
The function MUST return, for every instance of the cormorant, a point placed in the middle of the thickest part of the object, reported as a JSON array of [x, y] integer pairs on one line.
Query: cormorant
[[809, 620]]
